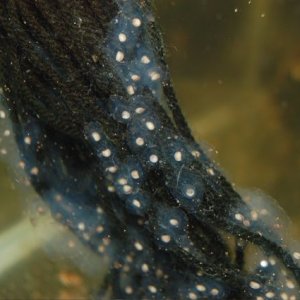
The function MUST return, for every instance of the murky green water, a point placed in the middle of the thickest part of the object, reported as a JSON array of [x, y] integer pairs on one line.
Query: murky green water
[[236, 69]]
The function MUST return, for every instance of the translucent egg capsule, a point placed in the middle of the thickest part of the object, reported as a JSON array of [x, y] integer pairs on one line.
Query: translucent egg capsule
[[173, 220], [170, 226], [127, 285], [258, 214], [176, 153], [136, 108], [124, 37], [89, 224], [135, 74], [124, 185], [120, 109], [94, 133], [31, 141], [294, 250], [145, 58], [106, 152], [187, 188], [134, 170], [137, 242], [151, 79], [142, 104], [31, 135], [274, 279], [148, 121], [144, 73], [198, 153], [7, 140], [127, 180], [138, 203], [96, 225], [139, 136], [144, 262], [257, 290], [104, 149], [151, 157], [98, 139], [202, 288], [152, 287]]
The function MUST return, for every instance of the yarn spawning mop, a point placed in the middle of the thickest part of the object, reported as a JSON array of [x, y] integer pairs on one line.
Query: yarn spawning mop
[[104, 143]]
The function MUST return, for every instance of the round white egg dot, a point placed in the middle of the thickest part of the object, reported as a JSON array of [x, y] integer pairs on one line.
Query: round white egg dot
[[214, 292], [2, 114], [128, 290], [130, 90], [153, 158], [122, 181], [166, 238], [112, 169], [127, 189], [264, 263], [140, 141], [106, 152], [34, 171], [145, 268], [270, 295], [138, 246], [125, 115], [27, 140], [296, 255], [122, 37], [136, 22], [152, 289], [96, 136], [136, 203], [120, 56], [139, 110], [192, 296], [111, 189], [145, 59], [135, 174], [239, 217], [254, 285], [174, 222], [178, 156], [154, 75], [7, 132], [200, 287], [81, 226], [190, 192], [150, 125], [135, 77]]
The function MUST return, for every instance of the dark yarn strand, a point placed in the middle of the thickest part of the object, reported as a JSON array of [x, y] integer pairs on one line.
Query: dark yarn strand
[[104, 142]]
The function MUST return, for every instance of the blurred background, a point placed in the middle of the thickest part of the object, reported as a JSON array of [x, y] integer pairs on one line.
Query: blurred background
[[236, 69]]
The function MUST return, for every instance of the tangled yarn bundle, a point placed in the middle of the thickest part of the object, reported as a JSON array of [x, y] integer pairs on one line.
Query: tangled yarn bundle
[[103, 141]]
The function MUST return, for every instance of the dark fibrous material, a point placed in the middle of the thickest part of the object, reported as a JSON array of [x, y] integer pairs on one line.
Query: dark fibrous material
[[103, 141]]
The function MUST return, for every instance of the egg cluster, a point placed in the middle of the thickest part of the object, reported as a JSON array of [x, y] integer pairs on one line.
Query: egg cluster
[[125, 177], [143, 273], [271, 281], [129, 50], [68, 201], [122, 178], [154, 141], [160, 147]]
